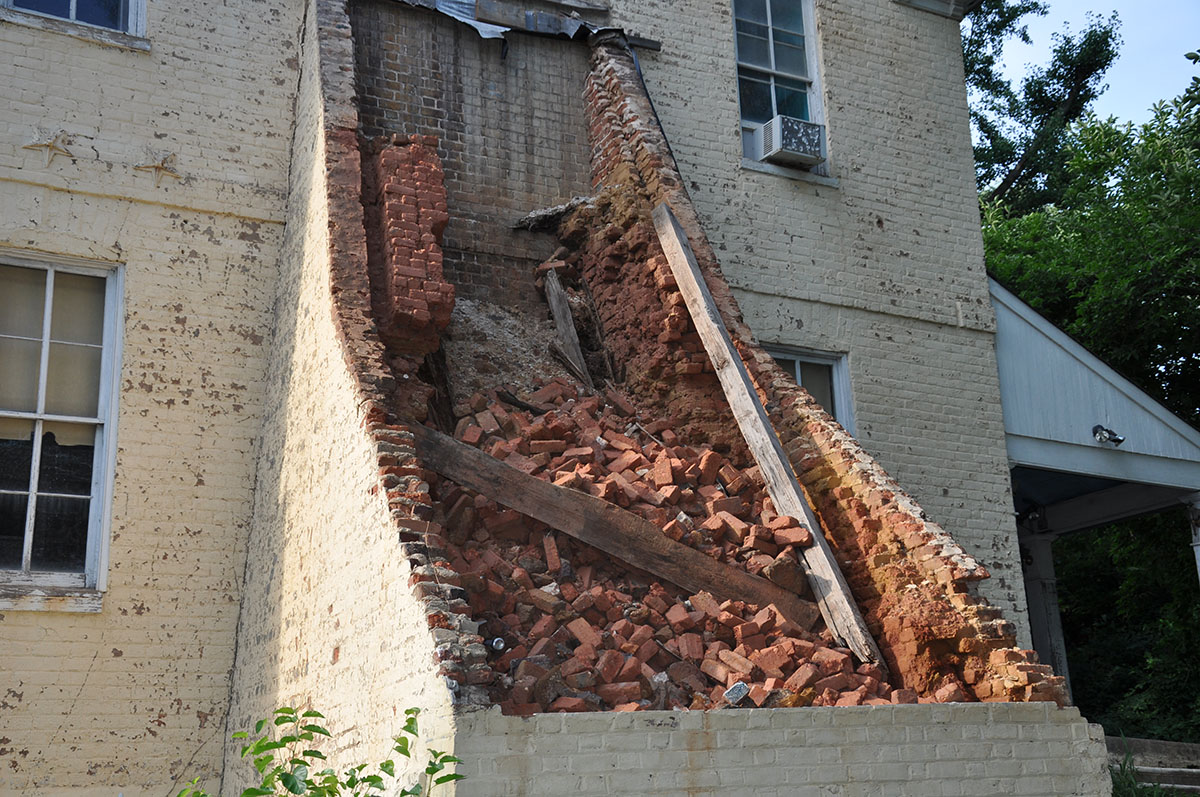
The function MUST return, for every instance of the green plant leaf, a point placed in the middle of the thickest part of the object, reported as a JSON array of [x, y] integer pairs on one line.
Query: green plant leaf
[[284, 720], [258, 791], [313, 754], [402, 747], [447, 778], [285, 710], [389, 767], [239, 735], [317, 729], [258, 726], [311, 713], [292, 783]]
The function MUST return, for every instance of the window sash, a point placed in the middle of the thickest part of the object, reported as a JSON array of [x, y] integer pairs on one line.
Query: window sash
[[77, 11], [104, 451], [790, 360]]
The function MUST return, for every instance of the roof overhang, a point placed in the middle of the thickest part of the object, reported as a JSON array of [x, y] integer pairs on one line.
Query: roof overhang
[[1053, 393]]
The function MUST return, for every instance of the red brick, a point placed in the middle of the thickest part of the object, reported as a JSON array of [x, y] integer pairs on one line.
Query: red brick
[[619, 692], [568, 704], [800, 537], [609, 665], [805, 675], [582, 630]]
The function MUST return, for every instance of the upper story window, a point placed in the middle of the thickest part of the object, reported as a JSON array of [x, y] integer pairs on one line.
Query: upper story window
[[58, 366], [125, 16], [776, 60], [825, 376]]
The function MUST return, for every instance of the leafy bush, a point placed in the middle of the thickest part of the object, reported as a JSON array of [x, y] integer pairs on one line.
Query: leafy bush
[[282, 750]]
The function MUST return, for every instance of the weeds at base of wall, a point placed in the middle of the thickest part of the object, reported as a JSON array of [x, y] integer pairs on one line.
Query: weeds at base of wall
[[1126, 784], [282, 752]]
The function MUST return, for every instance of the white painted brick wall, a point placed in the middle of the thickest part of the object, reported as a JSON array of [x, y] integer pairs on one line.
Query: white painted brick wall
[[948, 750], [328, 620], [127, 699], [881, 265]]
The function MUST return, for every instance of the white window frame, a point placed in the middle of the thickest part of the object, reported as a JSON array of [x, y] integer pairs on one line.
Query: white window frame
[[131, 37], [30, 589], [843, 403], [816, 108]]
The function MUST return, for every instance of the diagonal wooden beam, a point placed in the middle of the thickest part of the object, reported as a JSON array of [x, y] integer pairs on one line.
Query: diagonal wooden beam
[[828, 584], [616, 531]]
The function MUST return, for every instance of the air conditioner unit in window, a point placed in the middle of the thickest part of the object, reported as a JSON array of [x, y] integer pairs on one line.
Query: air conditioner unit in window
[[788, 141]]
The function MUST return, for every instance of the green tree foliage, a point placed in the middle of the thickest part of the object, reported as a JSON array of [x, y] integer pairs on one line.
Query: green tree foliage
[[1116, 261], [1020, 134], [1130, 604]]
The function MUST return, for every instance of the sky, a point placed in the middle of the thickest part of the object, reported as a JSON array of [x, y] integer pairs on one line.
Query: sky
[[1155, 34]]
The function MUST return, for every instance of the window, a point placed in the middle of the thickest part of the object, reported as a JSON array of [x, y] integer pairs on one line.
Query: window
[[825, 376], [58, 365], [776, 61], [125, 16]]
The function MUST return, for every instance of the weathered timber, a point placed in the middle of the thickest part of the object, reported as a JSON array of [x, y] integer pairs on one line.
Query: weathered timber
[[828, 584], [615, 531], [564, 322]]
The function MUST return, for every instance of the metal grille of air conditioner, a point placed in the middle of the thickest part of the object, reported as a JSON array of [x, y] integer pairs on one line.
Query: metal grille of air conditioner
[[788, 141]]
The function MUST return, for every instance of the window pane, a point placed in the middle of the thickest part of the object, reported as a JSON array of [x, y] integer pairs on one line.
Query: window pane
[[16, 453], [787, 14], [60, 534], [791, 101], [22, 301], [19, 361], [59, 8], [67, 455], [755, 10], [77, 315], [12, 530], [753, 50], [755, 93], [817, 379], [73, 380], [789, 56], [788, 365], [100, 12]]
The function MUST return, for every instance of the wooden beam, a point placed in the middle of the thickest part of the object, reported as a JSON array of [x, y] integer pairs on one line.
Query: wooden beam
[[564, 322], [828, 585], [616, 531]]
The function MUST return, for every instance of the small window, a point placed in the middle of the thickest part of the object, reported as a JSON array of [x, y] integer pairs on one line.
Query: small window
[[825, 376], [774, 62], [119, 15], [57, 373]]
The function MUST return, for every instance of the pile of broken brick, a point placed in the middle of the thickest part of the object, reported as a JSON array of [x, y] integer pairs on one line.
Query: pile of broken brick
[[569, 628]]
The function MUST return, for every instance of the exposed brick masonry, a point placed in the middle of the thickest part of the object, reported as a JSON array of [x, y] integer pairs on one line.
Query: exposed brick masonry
[[405, 201], [913, 582]]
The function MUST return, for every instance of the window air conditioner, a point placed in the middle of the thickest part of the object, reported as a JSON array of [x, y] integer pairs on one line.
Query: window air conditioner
[[788, 141]]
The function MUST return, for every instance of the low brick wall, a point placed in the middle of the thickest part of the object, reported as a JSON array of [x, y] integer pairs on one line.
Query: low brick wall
[[964, 749]]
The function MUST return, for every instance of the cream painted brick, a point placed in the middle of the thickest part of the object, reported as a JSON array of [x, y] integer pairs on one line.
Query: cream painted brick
[[125, 700], [761, 751]]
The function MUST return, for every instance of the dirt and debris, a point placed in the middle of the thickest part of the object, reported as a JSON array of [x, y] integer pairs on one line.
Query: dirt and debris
[[494, 345]]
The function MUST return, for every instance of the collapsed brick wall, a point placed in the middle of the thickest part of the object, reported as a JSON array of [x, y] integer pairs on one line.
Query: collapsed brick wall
[[912, 581]]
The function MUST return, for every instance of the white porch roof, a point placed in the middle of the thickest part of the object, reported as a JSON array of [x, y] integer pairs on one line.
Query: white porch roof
[[1053, 392]]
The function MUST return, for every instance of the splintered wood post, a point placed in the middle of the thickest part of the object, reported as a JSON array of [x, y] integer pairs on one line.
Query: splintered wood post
[[564, 322], [616, 531], [828, 585]]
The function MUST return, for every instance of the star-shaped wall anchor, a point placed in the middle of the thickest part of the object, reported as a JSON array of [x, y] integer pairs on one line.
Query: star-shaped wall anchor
[[57, 145], [164, 167]]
